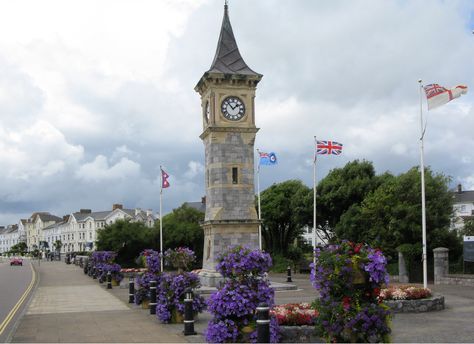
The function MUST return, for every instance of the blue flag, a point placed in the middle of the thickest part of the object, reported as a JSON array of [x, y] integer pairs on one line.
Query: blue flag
[[268, 159]]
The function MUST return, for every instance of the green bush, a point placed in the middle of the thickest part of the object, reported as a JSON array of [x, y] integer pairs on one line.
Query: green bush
[[280, 263]]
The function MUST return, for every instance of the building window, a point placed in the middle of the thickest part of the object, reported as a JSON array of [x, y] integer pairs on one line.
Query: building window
[[235, 175]]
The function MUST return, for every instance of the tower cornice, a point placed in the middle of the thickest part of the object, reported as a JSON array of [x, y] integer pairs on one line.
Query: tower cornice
[[214, 129]]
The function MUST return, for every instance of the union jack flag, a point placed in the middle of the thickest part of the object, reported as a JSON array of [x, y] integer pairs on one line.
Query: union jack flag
[[328, 147]]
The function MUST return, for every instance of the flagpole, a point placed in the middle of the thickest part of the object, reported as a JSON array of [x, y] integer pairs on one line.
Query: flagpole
[[259, 206], [423, 204], [314, 199], [161, 220]]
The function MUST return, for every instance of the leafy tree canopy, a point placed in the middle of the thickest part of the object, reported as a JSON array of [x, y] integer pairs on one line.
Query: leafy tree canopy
[[391, 214], [19, 248], [344, 188], [126, 238], [182, 228], [286, 208]]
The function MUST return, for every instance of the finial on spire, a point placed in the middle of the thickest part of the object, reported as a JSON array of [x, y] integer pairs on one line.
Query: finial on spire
[[226, 6]]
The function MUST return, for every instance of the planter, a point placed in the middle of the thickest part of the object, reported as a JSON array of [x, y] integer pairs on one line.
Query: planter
[[299, 334], [176, 317], [435, 303], [145, 304]]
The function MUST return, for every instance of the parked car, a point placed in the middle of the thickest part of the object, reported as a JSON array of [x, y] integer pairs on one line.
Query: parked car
[[16, 261]]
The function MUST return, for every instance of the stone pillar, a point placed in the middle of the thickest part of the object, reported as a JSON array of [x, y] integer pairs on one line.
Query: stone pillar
[[441, 263], [402, 269]]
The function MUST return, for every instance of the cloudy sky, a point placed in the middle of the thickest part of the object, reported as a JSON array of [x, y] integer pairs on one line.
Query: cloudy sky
[[96, 95]]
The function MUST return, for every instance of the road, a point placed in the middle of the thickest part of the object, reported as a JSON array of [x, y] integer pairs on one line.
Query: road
[[16, 283]]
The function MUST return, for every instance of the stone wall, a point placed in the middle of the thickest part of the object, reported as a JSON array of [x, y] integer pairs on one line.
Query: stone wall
[[466, 280], [299, 334], [435, 303]]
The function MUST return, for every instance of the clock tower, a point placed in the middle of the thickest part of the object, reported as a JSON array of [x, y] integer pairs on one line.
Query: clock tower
[[227, 93]]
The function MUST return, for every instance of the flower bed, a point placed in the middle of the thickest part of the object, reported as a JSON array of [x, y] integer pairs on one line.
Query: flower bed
[[404, 292], [295, 314], [411, 299]]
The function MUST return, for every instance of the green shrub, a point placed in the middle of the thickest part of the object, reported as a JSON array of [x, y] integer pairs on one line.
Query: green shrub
[[280, 263]]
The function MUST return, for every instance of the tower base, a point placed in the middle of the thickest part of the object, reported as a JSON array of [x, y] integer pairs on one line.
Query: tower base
[[219, 237]]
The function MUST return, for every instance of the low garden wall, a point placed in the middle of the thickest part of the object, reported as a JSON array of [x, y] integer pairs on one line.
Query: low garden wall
[[435, 303], [299, 334], [466, 280]]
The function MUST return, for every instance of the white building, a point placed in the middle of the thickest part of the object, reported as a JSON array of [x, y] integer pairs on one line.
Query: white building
[[463, 207], [78, 231], [9, 236]]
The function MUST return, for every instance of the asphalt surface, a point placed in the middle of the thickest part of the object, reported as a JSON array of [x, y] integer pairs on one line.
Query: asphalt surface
[[14, 282]]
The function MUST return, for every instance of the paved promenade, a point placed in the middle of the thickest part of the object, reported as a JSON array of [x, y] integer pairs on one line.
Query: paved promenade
[[68, 306]]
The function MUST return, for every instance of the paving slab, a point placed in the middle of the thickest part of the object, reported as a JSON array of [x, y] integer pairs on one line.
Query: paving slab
[[70, 307]]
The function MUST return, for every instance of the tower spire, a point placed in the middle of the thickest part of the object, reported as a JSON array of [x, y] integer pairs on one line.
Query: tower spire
[[227, 59]]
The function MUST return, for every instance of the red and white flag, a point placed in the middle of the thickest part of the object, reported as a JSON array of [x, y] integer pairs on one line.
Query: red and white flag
[[164, 180], [438, 95]]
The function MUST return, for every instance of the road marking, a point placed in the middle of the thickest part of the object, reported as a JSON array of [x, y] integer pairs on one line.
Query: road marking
[[12, 313]]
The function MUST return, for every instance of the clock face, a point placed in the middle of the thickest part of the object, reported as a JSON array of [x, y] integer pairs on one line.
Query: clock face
[[233, 108], [207, 111]]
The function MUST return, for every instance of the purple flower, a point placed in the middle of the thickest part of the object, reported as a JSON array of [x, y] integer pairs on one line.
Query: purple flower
[[244, 288]]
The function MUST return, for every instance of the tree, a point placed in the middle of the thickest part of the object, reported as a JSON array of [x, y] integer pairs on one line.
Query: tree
[[19, 248], [468, 228], [391, 215], [286, 208], [182, 228], [127, 239], [344, 188], [57, 247]]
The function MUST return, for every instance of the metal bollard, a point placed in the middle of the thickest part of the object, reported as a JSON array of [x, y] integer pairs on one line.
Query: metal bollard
[[188, 313], [263, 323], [152, 297], [288, 274], [86, 268], [109, 280], [131, 290], [101, 276], [94, 273]]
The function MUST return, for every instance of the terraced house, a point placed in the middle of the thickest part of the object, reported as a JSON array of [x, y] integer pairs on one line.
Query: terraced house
[[78, 231]]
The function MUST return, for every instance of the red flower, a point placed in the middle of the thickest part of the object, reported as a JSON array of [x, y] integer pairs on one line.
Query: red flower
[[357, 248], [376, 292], [346, 303]]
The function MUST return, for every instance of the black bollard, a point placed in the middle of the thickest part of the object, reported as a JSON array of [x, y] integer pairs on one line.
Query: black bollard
[[288, 274], [131, 290], [263, 323], [109, 280], [188, 313], [101, 276], [94, 272], [86, 267], [152, 297]]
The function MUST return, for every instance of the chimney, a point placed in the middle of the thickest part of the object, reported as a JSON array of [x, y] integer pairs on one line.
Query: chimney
[[85, 211], [459, 188], [117, 206], [203, 200]]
